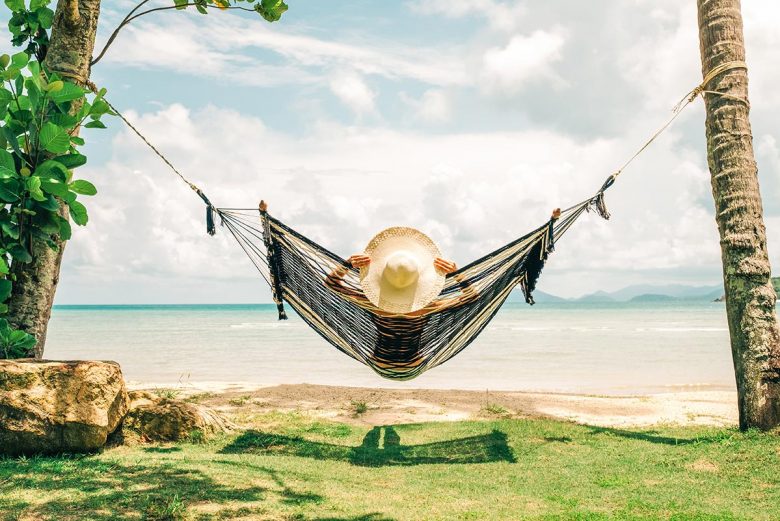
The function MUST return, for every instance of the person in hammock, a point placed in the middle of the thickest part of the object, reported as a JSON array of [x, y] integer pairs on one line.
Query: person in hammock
[[402, 274]]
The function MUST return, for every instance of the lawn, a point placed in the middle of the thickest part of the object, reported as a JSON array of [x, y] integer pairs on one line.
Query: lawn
[[296, 468]]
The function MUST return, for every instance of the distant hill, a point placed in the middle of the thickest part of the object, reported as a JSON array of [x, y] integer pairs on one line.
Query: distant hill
[[641, 293], [599, 296], [650, 297], [539, 297], [649, 292]]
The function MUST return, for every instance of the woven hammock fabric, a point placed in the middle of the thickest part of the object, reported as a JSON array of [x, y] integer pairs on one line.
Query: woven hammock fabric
[[300, 273]]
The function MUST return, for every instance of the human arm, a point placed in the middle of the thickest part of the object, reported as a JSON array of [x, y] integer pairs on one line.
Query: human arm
[[335, 279]]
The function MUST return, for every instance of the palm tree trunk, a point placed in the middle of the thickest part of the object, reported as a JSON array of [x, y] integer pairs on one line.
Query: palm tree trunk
[[750, 296], [70, 51]]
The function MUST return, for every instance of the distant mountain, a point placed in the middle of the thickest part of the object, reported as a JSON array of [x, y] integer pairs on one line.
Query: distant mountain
[[651, 297], [599, 296], [640, 293], [677, 291], [539, 297]]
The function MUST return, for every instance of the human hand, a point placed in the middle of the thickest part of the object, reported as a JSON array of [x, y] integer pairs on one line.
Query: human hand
[[444, 267], [359, 261]]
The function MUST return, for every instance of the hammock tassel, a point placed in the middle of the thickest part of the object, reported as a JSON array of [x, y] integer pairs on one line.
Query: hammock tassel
[[597, 203], [211, 229], [274, 263]]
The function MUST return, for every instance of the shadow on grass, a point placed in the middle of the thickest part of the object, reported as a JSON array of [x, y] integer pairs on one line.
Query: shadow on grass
[[87, 488], [381, 447], [654, 437]]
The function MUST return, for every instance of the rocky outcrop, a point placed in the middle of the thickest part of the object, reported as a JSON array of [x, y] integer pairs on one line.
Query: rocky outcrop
[[152, 418], [49, 407]]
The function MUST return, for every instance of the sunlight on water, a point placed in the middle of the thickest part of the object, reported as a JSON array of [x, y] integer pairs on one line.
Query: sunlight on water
[[597, 348]]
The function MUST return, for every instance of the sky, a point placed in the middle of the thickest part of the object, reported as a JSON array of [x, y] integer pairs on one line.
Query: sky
[[467, 119]]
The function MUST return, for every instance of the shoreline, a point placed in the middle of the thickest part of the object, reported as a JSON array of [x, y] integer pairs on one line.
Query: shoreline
[[386, 406]]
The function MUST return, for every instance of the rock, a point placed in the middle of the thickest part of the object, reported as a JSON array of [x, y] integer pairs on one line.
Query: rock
[[152, 418], [51, 407]]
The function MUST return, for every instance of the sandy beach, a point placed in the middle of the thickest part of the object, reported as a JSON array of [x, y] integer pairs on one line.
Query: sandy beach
[[400, 406]]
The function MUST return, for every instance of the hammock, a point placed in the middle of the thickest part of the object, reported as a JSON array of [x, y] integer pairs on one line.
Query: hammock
[[397, 347]]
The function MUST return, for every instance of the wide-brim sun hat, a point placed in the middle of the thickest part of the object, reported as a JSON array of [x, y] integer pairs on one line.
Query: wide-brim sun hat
[[401, 277]]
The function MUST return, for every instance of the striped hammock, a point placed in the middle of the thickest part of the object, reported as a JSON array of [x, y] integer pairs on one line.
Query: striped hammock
[[400, 347]]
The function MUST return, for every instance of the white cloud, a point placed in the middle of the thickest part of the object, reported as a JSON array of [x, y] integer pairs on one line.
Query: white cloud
[[502, 16], [523, 60], [339, 185], [225, 46], [353, 91], [434, 106]]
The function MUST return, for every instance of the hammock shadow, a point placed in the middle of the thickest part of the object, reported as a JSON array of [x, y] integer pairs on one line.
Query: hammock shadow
[[653, 437], [381, 446]]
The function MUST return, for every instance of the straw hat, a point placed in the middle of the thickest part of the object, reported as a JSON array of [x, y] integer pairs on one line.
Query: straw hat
[[401, 277]]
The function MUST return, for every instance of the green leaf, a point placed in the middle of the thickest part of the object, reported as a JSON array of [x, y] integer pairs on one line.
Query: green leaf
[[34, 187], [83, 187], [52, 169], [180, 4], [69, 92], [20, 59], [79, 213], [65, 230], [50, 204], [10, 137], [19, 253], [10, 229], [45, 17], [9, 190], [3, 265], [54, 186], [7, 165], [71, 160], [95, 124], [54, 139], [36, 4], [15, 5], [5, 289], [271, 10]]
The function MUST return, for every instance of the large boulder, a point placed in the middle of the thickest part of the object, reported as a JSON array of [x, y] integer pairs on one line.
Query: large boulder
[[152, 418], [52, 407]]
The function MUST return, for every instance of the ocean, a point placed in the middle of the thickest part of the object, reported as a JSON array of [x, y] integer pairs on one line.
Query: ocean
[[600, 348]]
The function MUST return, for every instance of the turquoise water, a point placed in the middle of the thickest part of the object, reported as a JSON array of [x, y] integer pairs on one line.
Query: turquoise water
[[570, 347]]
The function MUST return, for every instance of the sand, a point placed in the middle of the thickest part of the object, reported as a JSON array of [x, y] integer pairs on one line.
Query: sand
[[394, 406]]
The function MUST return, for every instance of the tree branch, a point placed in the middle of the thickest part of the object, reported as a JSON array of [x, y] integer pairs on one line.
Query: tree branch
[[132, 16]]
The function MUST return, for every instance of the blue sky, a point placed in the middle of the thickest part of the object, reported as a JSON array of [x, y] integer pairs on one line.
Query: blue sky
[[470, 120]]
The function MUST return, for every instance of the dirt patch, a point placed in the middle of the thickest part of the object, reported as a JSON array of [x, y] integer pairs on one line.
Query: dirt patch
[[703, 465], [395, 406]]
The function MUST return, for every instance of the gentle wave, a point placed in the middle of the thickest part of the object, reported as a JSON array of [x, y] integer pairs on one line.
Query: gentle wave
[[263, 325], [680, 329]]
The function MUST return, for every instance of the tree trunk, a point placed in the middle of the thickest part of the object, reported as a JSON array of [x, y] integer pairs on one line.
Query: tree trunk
[[70, 51], [750, 296]]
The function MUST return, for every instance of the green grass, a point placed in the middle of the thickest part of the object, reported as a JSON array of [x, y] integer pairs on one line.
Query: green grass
[[358, 407], [291, 467]]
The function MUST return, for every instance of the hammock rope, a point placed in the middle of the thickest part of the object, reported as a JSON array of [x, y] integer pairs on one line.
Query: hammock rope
[[324, 289]]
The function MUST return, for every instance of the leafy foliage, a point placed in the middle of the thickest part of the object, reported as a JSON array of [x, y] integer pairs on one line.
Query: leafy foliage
[[30, 25], [38, 153], [271, 10]]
